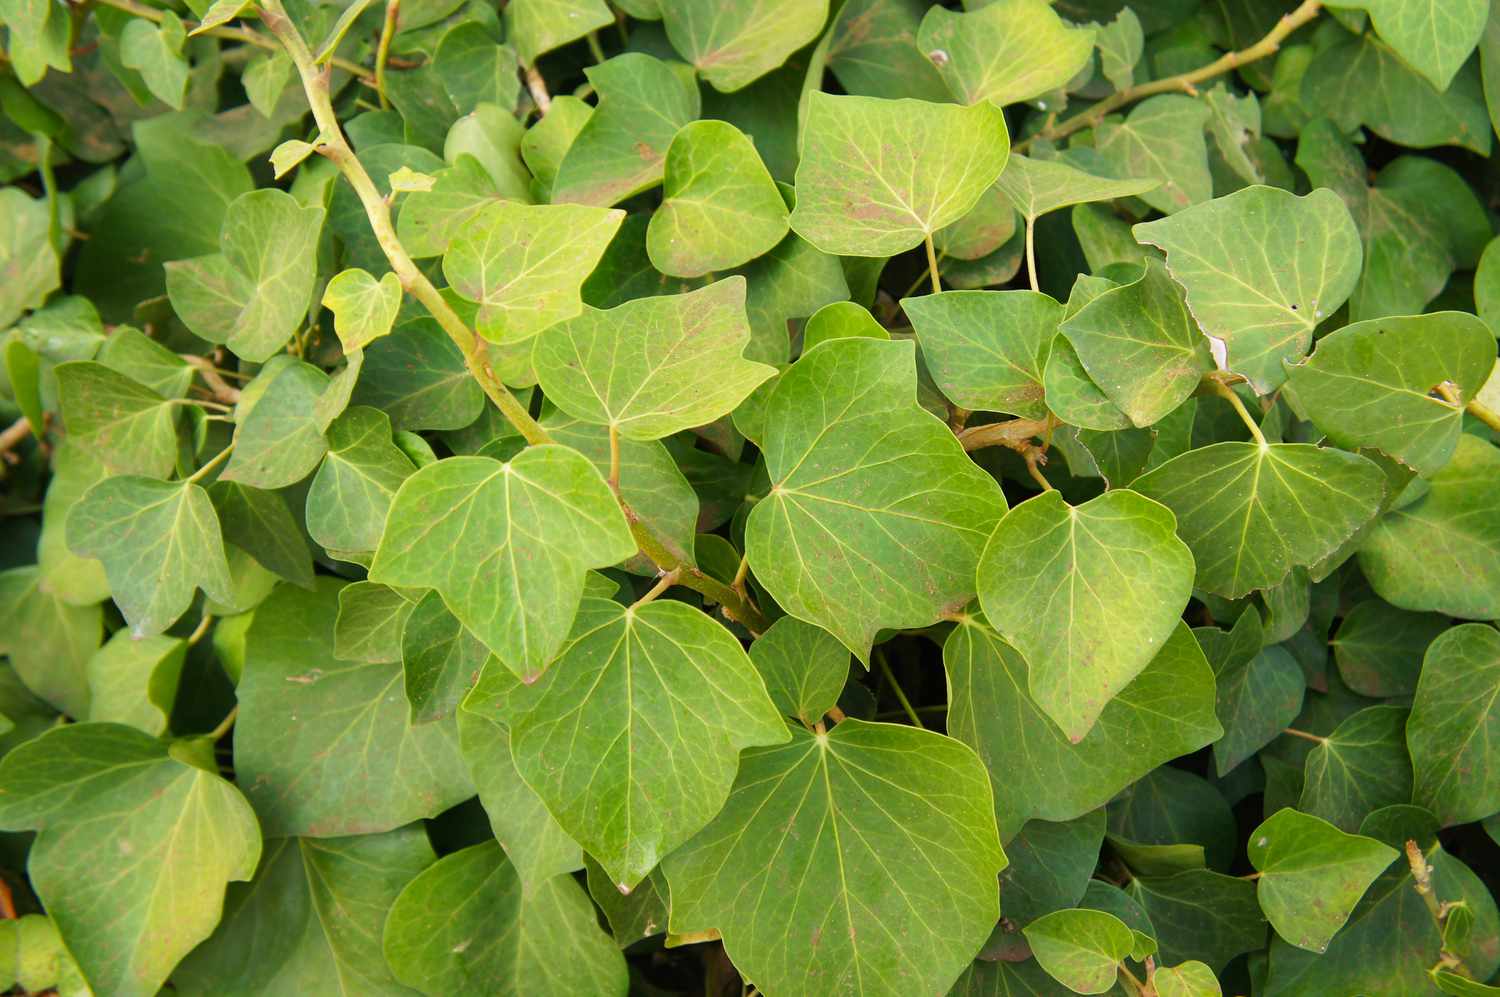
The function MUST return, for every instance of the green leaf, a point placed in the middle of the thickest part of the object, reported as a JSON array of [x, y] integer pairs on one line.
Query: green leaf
[[1004, 52], [253, 294], [622, 149], [1120, 44], [652, 366], [353, 489], [1359, 768], [475, 70], [987, 349], [875, 517], [1166, 712], [417, 376], [323, 746], [804, 850], [1263, 312], [133, 681], [311, 919], [876, 176], [1170, 808], [1372, 384], [1379, 648], [259, 523], [370, 620], [873, 53], [129, 427], [507, 544], [1312, 875], [804, 668], [1433, 38], [641, 913], [720, 208], [1037, 186], [733, 46], [1162, 140], [1050, 866], [1088, 594], [1453, 732], [464, 925], [1441, 551], [159, 541], [1275, 507], [49, 642], [440, 660], [175, 832], [279, 440], [155, 51], [1190, 979], [145, 361], [1201, 915], [1140, 345], [364, 309], [536, 27], [1080, 948], [1257, 700], [524, 264], [610, 725]]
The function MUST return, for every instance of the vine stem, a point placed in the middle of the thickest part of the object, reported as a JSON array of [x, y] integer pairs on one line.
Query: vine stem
[[1031, 253], [1421, 875], [932, 267], [214, 462], [1013, 433], [663, 583], [12, 435], [225, 724], [383, 48], [222, 389], [200, 629], [335, 147], [1485, 414], [890, 676], [537, 87], [1185, 82]]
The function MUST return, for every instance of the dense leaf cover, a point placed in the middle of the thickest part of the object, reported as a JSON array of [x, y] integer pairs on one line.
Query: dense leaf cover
[[722, 496]]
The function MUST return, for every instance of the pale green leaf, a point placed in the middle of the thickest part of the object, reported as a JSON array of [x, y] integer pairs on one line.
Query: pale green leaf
[[278, 437], [1080, 948], [1004, 52], [1037, 186], [732, 46], [155, 51], [805, 668], [352, 491], [1454, 730], [1190, 979], [133, 681], [536, 27], [982, 232], [48, 642], [66, 577], [1434, 37], [987, 349], [1162, 140], [29, 264], [364, 309], [286, 156], [1120, 44], [127, 426], [370, 620]]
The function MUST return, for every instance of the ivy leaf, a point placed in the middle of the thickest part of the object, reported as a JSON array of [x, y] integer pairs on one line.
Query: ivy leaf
[[1050, 866], [1166, 712], [475, 70], [987, 349], [175, 832], [159, 542], [801, 851], [278, 438], [1037, 186], [1434, 39], [369, 623], [805, 668], [733, 47], [875, 517], [128, 426], [1441, 551], [1379, 648], [1120, 44], [1004, 52], [1359, 768], [252, 295], [1088, 594], [417, 377], [642, 913], [133, 681], [653, 366], [352, 492], [155, 51], [259, 523], [48, 641], [364, 309], [1275, 507], [1200, 914], [311, 919], [524, 264], [610, 726], [1372, 384], [720, 208], [536, 27], [1263, 312], [1170, 808], [1257, 700], [1190, 979], [876, 176], [1161, 139], [1080, 948], [1312, 875], [1140, 345], [464, 923], [621, 150], [430, 220], [323, 746], [1452, 732], [440, 660]]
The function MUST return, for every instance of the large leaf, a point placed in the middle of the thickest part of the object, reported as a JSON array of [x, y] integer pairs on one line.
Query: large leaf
[[876, 517], [525, 263], [1311, 875], [871, 847], [1161, 140], [1379, 384], [1379, 648], [733, 46], [641, 717], [1262, 267], [876, 176], [159, 542], [465, 926], [1005, 51], [987, 349], [174, 831], [1166, 712], [1080, 948], [323, 746], [653, 366], [311, 920], [507, 545], [1251, 512], [1087, 593], [1454, 730]]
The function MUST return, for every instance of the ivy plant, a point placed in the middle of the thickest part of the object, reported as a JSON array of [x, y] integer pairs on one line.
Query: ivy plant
[[749, 496]]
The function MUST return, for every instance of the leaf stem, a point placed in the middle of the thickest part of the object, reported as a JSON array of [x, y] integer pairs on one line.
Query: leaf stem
[[216, 460], [537, 87], [201, 629], [595, 49], [1227, 393], [614, 459], [1136, 986], [225, 724], [740, 573], [1305, 735], [1031, 252], [664, 582], [12, 436], [932, 267], [1185, 82], [383, 49], [223, 390], [890, 676], [1484, 414], [1035, 457]]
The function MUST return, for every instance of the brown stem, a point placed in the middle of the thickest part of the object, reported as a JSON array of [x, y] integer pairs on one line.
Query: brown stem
[[222, 389], [1294, 732], [537, 87], [1185, 82], [1013, 433], [11, 437]]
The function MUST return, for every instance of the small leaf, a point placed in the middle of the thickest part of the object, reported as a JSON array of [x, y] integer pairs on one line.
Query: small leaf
[[733, 46], [1257, 700], [1312, 875], [278, 438], [1190, 979], [1037, 186], [1120, 44], [1080, 948], [506, 544], [370, 620], [407, 180], [364, 309], [286, 156], [259, 523], [1453, 733], [155, 51], [352, 492], [987, 349], [877, 176], [1005, 51], [804, 668], [1087, 593], [536, 27]]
